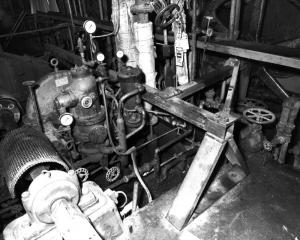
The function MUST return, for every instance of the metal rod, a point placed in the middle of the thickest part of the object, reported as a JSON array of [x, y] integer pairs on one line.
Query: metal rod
[[80, 8], [237, 19], [70, 13], [232, 19], [135, 196], [64, 25], [75, 7], [194, 41], [260, 20], [100, 9]]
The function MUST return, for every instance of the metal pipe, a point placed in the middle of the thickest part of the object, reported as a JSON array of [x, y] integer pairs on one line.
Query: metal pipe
[[237, 19], [260, 20], [194, 41], [164, 147], [100, 9], [70, 13], [128, 95], [135, 196], [80, 8], [63, 25], [141, 126], [136, 171], [232, 19], [75, 7]]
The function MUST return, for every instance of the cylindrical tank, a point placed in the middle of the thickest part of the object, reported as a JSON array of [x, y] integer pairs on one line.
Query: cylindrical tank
[[129, 77]]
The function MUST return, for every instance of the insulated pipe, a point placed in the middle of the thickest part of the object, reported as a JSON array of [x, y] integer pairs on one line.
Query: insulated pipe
[[145, 46]]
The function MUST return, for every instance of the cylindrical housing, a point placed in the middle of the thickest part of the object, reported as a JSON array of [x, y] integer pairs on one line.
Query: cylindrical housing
[[129, 77], [22, 151]]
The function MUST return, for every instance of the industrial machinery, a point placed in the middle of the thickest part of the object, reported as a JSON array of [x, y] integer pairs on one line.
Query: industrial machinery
[[57, 205]]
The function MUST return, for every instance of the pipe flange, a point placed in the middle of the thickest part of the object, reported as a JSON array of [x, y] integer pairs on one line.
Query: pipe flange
[[47, 188]]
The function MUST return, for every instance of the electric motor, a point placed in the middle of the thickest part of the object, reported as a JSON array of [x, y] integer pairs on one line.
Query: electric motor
[[24, 152]]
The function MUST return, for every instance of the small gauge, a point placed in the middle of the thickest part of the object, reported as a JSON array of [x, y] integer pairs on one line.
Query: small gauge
[[89, 26], [100, 57], [120, 54], [66, 119]]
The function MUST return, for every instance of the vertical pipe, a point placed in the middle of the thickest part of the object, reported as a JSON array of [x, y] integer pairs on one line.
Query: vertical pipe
[[75, 7], [260, 20], [237, 19], [71, 13], [100, 9], [135, 196], [84, 8], [232, 19], [80, 8], [194, 42]]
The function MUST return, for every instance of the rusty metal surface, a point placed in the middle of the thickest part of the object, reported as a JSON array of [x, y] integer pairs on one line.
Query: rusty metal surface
[[200, 118]]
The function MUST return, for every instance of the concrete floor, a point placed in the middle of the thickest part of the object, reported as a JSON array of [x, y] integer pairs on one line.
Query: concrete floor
[[265, 205]]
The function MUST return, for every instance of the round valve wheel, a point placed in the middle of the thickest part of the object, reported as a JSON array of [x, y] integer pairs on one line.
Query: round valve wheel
[[250, 103], [166, 16], [82, 174], [259, 115], [112, 174]]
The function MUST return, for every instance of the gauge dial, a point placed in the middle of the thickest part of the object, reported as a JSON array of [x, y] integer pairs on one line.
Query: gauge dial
[[66, 119], [100, 57], [89, 26]]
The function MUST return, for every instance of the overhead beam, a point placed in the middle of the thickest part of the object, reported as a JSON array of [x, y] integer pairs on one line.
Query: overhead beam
[[274, 54]]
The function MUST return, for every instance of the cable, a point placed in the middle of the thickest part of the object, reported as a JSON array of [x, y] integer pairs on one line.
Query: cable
[[136, 171]]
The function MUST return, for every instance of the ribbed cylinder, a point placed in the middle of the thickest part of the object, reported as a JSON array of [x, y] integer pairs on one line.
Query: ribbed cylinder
[[21, 151]]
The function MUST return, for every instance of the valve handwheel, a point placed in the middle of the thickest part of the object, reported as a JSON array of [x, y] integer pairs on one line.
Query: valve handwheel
[[259, 115], [112, 174], [166, 16], [82, 174]]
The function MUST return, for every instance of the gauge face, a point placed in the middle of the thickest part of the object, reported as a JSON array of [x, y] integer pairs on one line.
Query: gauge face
[[66, 119], [89, 26], [120, 54], [100, 57]]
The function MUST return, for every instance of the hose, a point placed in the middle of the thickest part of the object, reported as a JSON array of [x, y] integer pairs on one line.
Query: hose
[[136, 171]]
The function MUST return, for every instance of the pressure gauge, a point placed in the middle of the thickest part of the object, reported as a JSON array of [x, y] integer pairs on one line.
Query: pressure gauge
[[66, 119], [100, 57], [120, 54], [89, 26]]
